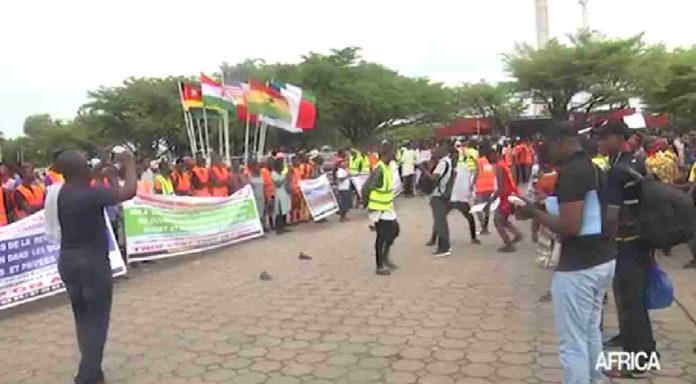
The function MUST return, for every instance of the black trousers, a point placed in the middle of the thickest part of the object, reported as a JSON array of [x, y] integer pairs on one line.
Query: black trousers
[[630, 280], [387, 232], [408, 185], [462, 207], [280, 223], [87, 278], [440, 208]]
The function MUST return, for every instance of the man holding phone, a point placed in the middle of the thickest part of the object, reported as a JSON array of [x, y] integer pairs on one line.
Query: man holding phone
[[84, 256]]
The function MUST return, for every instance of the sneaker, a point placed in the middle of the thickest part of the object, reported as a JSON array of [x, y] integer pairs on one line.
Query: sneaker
[[507, 248], [383, 271], [691, 264], [444, 253], [476, 241], [614, 342]]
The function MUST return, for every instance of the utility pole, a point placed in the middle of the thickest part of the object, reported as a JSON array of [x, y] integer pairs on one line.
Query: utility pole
[[585, 15], [542, 22]]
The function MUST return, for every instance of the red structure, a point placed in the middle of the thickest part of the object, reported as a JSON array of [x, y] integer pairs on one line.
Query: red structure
[[463, 127]]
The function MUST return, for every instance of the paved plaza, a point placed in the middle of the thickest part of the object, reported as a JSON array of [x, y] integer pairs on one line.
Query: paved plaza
[[472, 318]]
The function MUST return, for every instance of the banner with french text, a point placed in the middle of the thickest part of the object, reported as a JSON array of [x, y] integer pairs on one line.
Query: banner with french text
[[29, 261], [158, 227]]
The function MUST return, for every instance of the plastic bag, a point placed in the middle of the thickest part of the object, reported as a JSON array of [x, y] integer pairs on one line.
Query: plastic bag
[[659, 292]]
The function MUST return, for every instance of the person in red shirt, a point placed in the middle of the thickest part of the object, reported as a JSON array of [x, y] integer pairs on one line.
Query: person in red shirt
[[505, 187]]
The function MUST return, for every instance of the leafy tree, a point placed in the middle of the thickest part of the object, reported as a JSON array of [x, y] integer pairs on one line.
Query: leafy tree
[[143, 113], [498, 103], [591, 72], [674, 90]]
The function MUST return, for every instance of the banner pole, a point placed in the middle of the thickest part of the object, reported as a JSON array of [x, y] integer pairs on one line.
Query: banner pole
[[200, 136], [194, 147], [226, 131], [207, 134]]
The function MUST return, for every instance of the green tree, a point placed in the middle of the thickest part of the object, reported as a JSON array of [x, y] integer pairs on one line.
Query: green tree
[[589, 73], [499, 103], [143, 113], [673, 91]]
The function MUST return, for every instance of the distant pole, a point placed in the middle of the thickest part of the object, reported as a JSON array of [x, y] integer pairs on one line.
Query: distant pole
[[585, 15], [542, 22]]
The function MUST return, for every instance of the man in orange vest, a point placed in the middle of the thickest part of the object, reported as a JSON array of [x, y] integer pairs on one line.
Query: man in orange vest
[[484, 187], [219, 178], [28, 197], [181, 179], [200, 178]]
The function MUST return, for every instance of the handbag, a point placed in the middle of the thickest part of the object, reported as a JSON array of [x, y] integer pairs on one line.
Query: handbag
[[659, 292]]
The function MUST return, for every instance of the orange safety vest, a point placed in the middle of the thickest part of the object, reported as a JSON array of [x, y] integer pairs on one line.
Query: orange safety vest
[[485, 177], [268, 187], [220, 179], [34, 197], [373, 157], [182, 182], [144, 187], [55, 177], [202, 175], [3, 209]]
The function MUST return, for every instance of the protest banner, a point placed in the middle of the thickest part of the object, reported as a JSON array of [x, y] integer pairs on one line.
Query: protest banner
[[398, 186], [29, 261], [319, 196], [165, 226], [358, 182]]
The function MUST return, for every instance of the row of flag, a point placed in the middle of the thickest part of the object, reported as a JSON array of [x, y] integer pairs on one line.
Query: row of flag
[[281, 105]]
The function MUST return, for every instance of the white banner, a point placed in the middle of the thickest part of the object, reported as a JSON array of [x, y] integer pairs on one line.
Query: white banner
[[319, 196], [358, 182], [164, 226], [29, 261]]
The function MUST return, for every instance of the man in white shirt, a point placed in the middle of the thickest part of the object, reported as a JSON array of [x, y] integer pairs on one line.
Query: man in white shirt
[[408, 169], [439, 199], [345, 198]]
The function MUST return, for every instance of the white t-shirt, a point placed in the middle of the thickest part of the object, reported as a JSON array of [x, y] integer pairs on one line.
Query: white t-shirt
[[461, 190], [408, 162], [443, 172], [345, 184]]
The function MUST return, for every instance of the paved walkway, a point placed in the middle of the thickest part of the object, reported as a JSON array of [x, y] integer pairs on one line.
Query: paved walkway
[[473, 318]]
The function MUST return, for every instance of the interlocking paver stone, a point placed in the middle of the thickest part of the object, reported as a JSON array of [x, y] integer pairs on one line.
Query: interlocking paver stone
[[474, 319]]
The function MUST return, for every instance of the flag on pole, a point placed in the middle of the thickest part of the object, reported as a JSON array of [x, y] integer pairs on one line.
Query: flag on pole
[[190, 96], [214, 96]]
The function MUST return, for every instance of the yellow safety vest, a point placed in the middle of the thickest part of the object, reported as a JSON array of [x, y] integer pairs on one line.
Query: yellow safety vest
[[354, 160], [365, 164], [166, 185], [469, 156], [601, 161], [382, 199]]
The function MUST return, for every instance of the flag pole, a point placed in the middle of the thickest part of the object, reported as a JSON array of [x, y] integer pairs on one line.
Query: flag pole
[[200, 136], [186, 120], [207, 134], [255, 146], [262, 139], [246, 132], [220, 135], [226, 131], [194, 147]]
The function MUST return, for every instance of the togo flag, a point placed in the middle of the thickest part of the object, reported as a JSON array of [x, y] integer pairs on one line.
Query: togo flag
[[214, 96]]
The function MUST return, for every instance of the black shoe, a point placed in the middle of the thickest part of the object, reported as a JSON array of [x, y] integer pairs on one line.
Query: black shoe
[[391, 266], [614, 342], [507, 248], [442, 253], [430, 243], [383, 271], [476, 241]]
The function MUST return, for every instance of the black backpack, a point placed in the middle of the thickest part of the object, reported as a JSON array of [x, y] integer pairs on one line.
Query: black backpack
[[428, 185], [666, 215]]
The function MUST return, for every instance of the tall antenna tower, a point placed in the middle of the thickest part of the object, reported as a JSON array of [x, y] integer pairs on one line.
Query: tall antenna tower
[[585, 15], [542, 22]]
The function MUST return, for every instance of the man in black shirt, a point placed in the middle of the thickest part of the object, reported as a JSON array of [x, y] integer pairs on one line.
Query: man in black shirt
[[84, 254], [633, 259], [586, 265]]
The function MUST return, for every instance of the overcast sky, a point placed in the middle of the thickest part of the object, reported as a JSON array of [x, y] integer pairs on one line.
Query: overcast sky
[[52, 52]]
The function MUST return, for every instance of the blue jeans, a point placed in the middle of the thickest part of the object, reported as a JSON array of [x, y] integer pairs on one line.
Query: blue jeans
[[577, 311]]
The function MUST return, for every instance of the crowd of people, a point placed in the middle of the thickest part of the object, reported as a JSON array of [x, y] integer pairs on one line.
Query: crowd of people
[[576, 188]]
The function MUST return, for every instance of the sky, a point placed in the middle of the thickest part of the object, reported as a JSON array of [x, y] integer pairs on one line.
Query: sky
[[53, 52]]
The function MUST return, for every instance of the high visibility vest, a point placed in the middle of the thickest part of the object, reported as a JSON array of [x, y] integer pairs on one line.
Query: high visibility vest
[[468, 158], [601, 161], [3, 209], [485, 177], [354, 160], [203, 177], [365, 164], [382, 199], [182, 182], [55, 177], [33, 197], [220, 179], [268, 187], [164, 185]]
